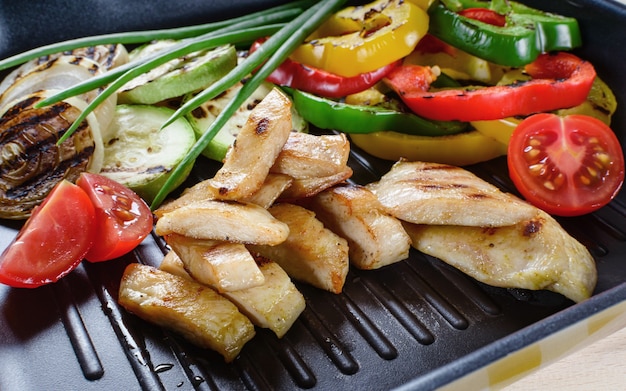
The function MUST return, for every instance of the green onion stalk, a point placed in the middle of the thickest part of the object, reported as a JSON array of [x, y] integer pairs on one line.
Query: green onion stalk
[[243, 27], [243, 31], [212, 40], [136, 37]]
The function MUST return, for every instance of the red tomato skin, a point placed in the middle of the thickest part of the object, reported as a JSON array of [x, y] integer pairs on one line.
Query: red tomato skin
[[53, 241], [568, 153], [122, 218]]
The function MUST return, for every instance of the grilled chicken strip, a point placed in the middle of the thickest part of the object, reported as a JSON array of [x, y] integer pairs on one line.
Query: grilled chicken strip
[[312, 253], [375, 238], [224, 266], [310, 156], [275, 305], [193, 310], [201, 191], [223, 220], [439, 194], [308, 187], [273, 187], [533, 254], [255, 149]]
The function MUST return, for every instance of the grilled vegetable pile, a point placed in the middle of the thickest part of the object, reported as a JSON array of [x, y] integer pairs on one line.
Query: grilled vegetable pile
[[444, 81]]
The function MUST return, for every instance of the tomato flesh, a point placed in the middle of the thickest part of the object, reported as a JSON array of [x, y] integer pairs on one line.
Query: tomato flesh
[[567, 166], [122, 218], [53, 241]]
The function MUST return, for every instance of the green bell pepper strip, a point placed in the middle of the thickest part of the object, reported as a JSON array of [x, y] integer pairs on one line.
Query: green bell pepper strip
[[528, 31], [329, 114], [554, 32]]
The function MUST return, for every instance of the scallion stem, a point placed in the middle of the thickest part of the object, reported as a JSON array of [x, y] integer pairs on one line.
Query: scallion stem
[[114, 74], [213, 40], [134, 37], [280, 45], [234, 33]]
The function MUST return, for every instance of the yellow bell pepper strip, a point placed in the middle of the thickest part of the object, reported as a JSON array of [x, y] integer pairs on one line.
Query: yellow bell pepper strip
[[499, 129], [601, 103], [329, 114], [527, 32], [454, 62], [459, 149], [423, 4], [559, 80], [361, 39]]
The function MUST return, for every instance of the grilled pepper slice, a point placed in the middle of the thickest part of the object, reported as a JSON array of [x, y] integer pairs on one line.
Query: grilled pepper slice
[[559, 80], [527, 32], [329, 114], [320, 82], [456, 149], [361, 39]]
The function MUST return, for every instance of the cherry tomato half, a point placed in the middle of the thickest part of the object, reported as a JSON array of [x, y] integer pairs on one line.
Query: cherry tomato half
[[123, 219], [53, 241], [567, 166]]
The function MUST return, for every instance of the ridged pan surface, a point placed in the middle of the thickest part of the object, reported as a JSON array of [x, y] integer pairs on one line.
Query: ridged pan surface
[[419, 322]]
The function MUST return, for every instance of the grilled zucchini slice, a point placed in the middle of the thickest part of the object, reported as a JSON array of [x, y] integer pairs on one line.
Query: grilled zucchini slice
[[141, 155], [177, 77]]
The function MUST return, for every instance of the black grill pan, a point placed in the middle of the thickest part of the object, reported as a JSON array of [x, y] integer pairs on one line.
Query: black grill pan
[[419, 324]]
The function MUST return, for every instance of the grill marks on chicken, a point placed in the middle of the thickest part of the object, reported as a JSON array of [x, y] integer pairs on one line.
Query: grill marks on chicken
[[533, 254], [257, 145], [494, 237], [249, 231], [375, 238], [195, 311], [311, 253], [307, 156], [439, 194]]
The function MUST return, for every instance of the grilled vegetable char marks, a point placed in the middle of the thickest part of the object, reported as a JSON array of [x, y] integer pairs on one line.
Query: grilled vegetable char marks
[[30, 161]]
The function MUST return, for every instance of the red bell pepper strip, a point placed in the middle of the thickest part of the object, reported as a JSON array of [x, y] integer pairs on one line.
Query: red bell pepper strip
[[432, 44], [484, 15], [559, 80], [320, 82]]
